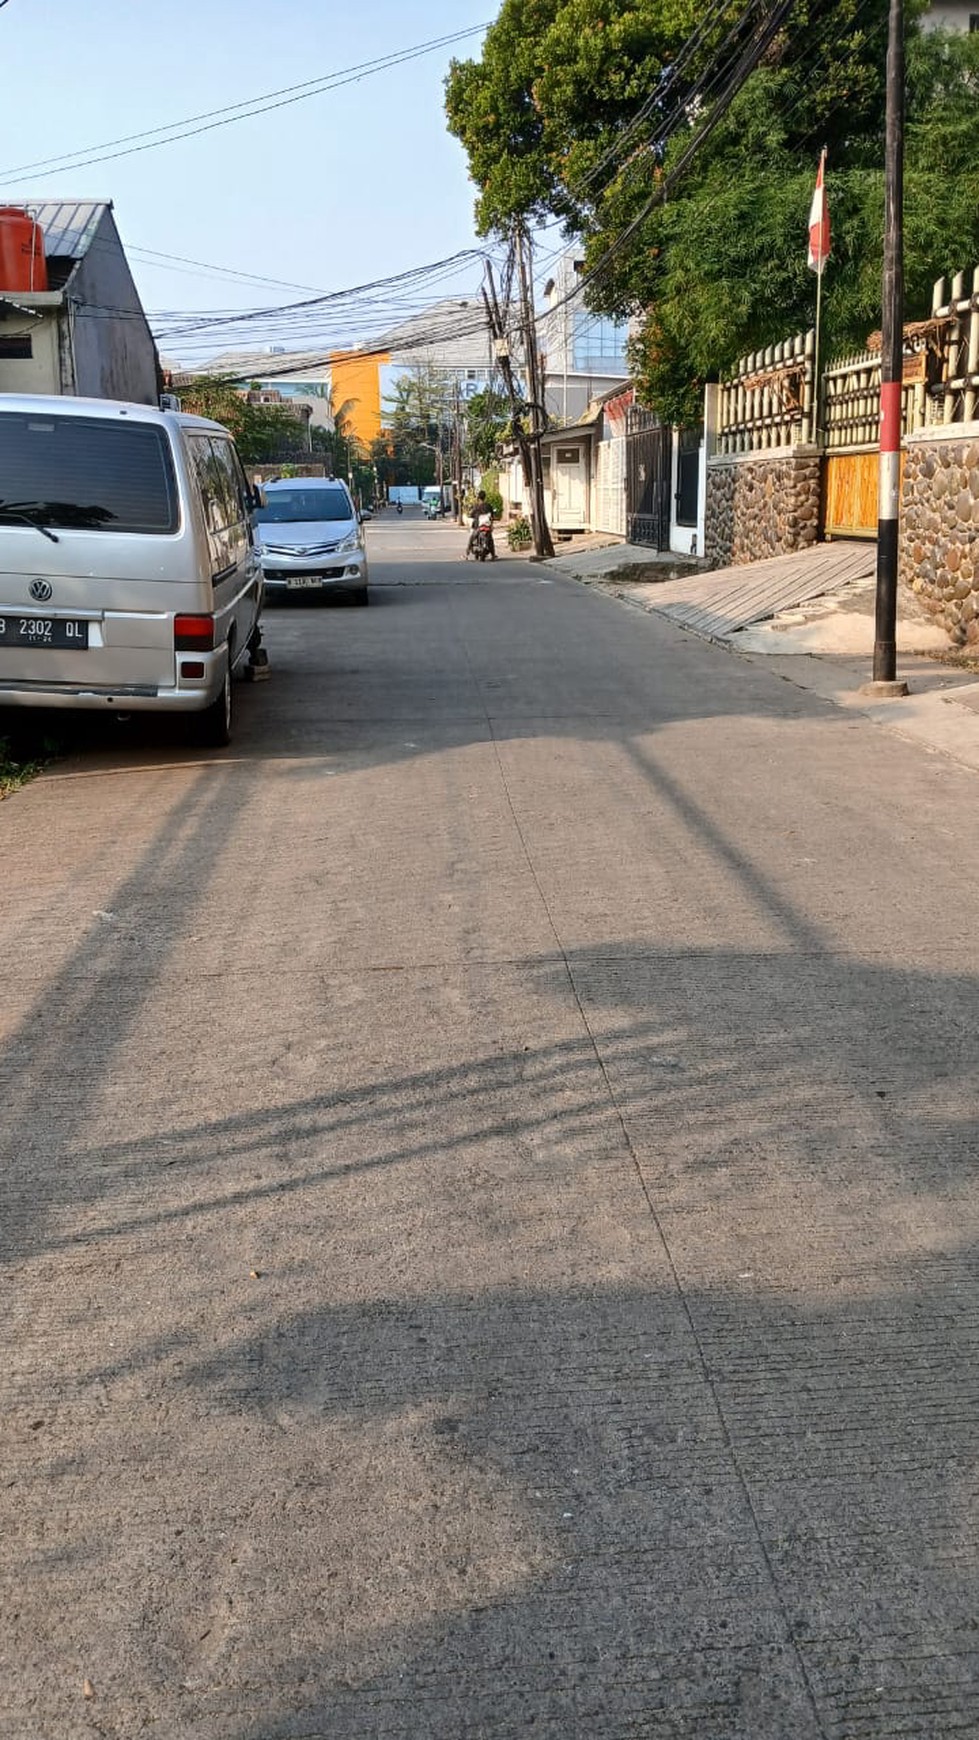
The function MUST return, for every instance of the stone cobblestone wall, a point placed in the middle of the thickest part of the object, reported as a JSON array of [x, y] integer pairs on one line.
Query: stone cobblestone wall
[[940, 532], [761, 507]]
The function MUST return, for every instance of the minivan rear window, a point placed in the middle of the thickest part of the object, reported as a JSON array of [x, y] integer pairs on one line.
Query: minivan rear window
[[89, 472]]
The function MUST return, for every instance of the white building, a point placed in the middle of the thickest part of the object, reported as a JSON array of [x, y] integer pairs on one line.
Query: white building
[[952, 15], [451, 340], [584, 354]]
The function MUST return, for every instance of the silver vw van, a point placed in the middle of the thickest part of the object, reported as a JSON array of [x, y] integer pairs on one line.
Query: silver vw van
[[128, 574]]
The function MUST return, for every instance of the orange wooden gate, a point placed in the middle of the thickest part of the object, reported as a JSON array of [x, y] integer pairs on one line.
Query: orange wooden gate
[[850, 494]]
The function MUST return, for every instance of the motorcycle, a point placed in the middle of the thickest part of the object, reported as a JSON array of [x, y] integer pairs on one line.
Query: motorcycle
[[400, 508], [482, 538]]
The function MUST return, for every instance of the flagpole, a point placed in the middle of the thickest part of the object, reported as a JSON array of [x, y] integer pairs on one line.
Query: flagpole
[[821, 261]]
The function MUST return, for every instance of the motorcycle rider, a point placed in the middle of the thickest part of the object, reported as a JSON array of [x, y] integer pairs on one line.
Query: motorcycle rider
[[481, 510]]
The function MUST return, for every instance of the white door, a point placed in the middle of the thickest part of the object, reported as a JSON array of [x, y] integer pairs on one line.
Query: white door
[[569, 488]]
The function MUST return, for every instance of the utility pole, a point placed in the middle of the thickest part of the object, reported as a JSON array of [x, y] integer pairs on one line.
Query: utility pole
[[542, 537], [885, 682], [501, 352], [457, 456]]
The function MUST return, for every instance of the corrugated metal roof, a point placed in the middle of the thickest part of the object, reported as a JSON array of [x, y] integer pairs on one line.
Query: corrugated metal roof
[[69, 225], [451, 334], [260, 365], [585, 427]]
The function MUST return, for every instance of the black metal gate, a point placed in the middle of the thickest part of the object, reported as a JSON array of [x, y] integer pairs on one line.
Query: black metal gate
[[688, 476], [649, 468]]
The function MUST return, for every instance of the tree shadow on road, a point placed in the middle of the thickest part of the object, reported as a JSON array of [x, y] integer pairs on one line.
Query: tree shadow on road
[[588, 1514], [709, 1469]]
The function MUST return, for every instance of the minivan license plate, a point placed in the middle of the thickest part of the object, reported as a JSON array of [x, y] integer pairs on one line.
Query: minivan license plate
[[56, 631]]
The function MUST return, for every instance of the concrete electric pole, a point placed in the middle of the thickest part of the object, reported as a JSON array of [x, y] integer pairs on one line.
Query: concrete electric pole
[[885, 683]]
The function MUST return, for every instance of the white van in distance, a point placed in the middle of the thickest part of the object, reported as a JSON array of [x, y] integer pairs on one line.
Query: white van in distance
[[128, 574]]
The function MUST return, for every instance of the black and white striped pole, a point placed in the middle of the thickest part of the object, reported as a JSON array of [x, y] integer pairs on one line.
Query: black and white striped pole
[[885, 683]]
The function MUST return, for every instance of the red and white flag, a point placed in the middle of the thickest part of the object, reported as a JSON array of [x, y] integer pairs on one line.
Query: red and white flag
[[819, 222]]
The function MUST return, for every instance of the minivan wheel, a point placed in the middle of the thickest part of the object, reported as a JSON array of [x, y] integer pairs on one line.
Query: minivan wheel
[[214, 724]]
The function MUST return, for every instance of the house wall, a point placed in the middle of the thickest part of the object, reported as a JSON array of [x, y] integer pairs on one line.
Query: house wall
[[40, 372], [512, 488], [110, 341], [939, 540], [949, 15], [758, 507]]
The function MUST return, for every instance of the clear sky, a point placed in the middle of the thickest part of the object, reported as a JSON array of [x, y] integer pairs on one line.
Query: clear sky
[[330, 192]]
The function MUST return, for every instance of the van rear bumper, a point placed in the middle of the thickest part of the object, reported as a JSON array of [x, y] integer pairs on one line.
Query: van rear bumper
[[125, 698]]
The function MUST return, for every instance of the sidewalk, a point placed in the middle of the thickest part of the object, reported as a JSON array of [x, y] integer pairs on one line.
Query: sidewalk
[[823, 643], [594, 556]]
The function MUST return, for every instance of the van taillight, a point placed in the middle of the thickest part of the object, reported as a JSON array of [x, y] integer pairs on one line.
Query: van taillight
[[193, 633]]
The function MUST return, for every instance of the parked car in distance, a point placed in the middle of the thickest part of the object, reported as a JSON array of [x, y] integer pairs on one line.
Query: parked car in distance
[[129, 580], [311, 538]]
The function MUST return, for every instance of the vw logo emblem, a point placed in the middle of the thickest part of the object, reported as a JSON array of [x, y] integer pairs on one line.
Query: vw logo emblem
[[41, 590]]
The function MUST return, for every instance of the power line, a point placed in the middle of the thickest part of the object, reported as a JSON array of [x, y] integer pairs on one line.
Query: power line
[[746, 64], [693, 97], [187, 128], [416, 274], [663, 88], [180, 263]]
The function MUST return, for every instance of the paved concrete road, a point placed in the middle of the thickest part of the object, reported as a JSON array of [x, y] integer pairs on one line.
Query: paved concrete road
[[489, 1198]]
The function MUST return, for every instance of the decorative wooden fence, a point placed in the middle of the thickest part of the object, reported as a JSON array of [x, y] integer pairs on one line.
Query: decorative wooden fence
[[850, 400], [954, 395], [769, 401]]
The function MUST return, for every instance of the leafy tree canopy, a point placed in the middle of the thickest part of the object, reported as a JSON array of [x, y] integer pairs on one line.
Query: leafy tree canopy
[[488, 420], [261, 432], [720, 267]]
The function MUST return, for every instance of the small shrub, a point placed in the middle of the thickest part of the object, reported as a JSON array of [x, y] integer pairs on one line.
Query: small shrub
[[15, 772], [518, 534]]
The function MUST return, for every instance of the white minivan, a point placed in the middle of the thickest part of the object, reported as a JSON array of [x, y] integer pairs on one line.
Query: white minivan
[[128, 574]]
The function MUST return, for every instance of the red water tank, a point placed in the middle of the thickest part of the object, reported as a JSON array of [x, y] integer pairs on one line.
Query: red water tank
[[22, 263]]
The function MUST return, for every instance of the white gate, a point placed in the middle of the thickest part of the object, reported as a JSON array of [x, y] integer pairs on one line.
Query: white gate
[[608, 512]]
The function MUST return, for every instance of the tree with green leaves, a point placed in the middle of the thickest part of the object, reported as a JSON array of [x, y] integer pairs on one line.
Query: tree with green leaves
[[488, 420], [718, 267], [417, 420], [261, 432]]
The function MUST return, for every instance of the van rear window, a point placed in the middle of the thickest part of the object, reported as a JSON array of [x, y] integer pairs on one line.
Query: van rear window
[[89, 472]]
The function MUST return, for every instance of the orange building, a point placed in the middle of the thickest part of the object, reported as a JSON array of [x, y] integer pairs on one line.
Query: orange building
[[356, 377]]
